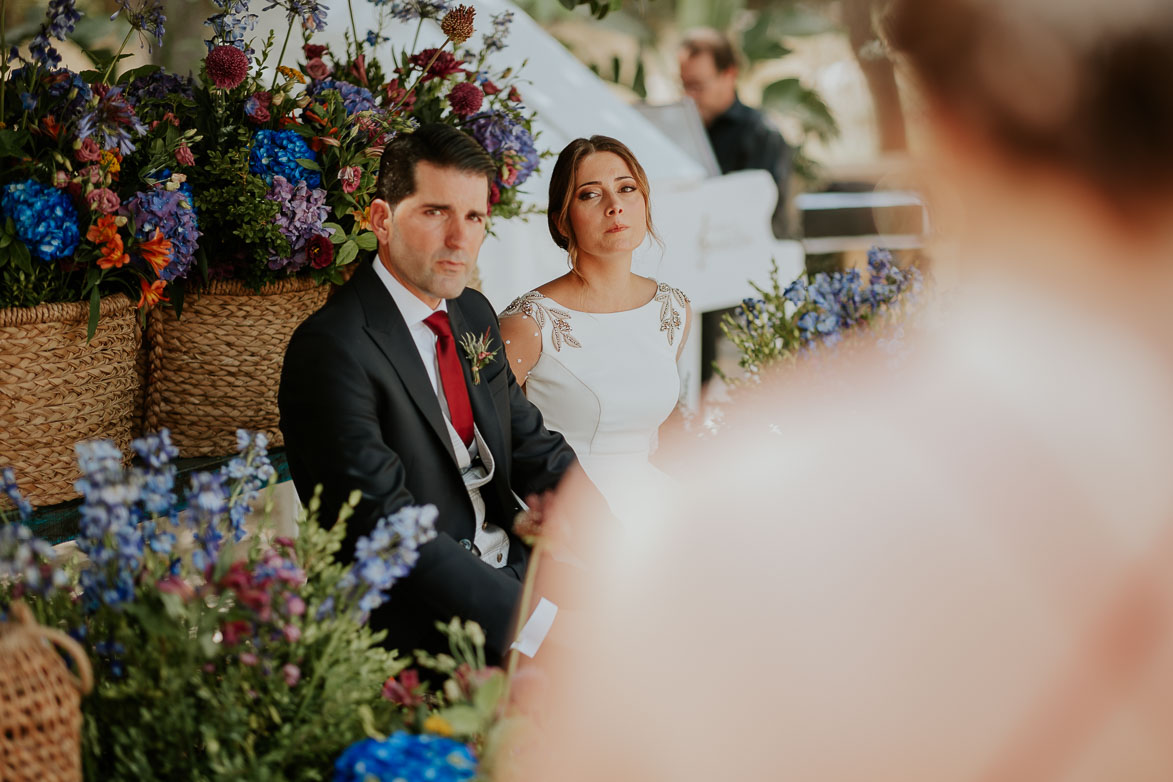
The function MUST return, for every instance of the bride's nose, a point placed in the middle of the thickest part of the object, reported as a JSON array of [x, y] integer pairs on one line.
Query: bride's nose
[[613, 207]]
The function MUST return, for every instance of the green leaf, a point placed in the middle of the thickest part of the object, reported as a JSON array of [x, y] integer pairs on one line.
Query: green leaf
[[489, 694], [791, 98], [338, 237], [95, 307], [335, 226], [12, 142], [366, 240], [142, 70], [464, 719], [312, 165], [346, 253], [761, 40]]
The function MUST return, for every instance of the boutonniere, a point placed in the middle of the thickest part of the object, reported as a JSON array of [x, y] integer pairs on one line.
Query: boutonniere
[[476, 350]]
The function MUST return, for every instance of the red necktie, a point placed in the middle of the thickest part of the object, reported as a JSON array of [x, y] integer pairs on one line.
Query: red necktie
[[451, 375]]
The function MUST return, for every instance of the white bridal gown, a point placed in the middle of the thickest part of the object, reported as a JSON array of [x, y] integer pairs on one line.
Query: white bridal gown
[[606, 382]]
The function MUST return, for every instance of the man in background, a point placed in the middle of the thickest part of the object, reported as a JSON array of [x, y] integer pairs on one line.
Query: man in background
[[742, 138]]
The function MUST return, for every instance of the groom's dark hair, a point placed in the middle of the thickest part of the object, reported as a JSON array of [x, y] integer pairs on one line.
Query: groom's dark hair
[[435, 143]]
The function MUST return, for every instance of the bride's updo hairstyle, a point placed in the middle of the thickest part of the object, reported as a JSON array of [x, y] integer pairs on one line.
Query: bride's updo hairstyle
[[562, 187], [1084, 88]]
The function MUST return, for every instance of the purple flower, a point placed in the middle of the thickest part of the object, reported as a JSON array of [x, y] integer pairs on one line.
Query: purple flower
[[171, 212], [495, 41], [354, 97], [256, 108], [291, 673], [387, 555], [111, 119], [159, 86], [249, 472], [108, 532], [60, 18], [311, 12], [12, 491], [230, 26], [508, 142], [146, 16], [299, 218], [409, 10]]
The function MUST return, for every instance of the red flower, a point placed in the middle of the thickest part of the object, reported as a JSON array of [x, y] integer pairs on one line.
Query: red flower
[[403, 690], [235, 630], [397, 94], [465, 99], [350, 176], [320, 251], [445, 65], [359, 69], [313, 51], [490, 88], [183, 156], [514, 95], [226, 67], [88, 152], [317, 69], [494, 194]]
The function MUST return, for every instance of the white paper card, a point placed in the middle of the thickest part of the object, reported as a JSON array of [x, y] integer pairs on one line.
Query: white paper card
[[529, 640]]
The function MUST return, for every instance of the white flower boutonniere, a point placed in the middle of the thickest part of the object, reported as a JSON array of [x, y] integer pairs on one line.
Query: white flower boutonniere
[[476, 350]]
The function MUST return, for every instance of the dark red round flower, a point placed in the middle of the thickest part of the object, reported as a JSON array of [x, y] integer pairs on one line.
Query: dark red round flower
[[445, 65], [313, 50], [320, 251], [465, 99], [226, 67]]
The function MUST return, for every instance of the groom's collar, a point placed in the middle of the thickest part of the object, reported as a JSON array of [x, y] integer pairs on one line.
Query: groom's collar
[[410, 307]]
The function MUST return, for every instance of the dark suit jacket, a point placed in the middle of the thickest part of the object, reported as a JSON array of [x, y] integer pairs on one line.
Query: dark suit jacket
[[358, 412]]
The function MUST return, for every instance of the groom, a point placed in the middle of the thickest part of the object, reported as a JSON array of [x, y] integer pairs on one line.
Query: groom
[[378, 394]]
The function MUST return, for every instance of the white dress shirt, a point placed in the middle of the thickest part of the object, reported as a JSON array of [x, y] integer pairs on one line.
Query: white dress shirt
[[490, 540]]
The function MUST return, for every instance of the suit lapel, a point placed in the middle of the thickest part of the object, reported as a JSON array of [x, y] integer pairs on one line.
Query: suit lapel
[[385, 325], [479, 395]]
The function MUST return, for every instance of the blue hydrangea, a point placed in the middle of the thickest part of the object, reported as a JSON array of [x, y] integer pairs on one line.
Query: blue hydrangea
[[508, 142], [45, 218], [276, 152], [171, 212], [407, 757], [354, 97]]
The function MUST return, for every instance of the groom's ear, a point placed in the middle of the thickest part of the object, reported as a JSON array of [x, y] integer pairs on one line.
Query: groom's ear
[[381, 221]]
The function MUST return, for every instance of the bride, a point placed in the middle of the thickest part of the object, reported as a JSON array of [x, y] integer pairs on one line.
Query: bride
[[596, 349]]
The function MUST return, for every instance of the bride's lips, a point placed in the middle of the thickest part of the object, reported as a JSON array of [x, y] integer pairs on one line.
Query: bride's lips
[[616, 228]]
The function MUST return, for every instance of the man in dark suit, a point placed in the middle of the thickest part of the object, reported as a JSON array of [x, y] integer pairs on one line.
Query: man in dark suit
[[377, 394]]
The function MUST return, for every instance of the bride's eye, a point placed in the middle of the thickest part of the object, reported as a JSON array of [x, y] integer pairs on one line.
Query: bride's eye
[[628, 189], [586, 195]]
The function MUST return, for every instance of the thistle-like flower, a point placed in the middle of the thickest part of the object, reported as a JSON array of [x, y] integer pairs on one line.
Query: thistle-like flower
[[476, 350], [457, 23]]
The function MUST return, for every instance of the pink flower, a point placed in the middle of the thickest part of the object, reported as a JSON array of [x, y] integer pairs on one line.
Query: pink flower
[[234, 631], [88, 152], [60, 180], [284, 542], [292, 674], [350, 176], [104, 201], [294, 605], [317, 69], [256, 108], [465, 99], [292, 633], [226, 67], [209, 668], [402, 691], [248, 658], [172, 585], [183, 156], [92, 173]]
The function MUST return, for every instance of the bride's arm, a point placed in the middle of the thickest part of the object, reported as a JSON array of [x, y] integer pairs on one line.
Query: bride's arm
[[523, 344]]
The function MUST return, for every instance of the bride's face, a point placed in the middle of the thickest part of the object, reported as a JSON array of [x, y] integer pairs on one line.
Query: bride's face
[[608, 212]]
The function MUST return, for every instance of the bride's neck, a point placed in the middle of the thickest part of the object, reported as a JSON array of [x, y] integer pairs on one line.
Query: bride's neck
[[604, 275]]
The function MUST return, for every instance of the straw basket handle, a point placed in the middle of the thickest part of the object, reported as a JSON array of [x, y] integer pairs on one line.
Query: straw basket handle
[[84, 680]]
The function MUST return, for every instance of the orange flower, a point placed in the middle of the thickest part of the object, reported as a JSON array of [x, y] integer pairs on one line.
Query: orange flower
[[156, 251], [362, 219], [105, 233], [152, 293], [291, 75]]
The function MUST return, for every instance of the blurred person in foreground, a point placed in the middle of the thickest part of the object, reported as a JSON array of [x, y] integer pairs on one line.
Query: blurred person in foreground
[[959, 570]]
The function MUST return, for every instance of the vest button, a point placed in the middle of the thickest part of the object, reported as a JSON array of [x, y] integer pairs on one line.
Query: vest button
[[499, 557], [466, 543]]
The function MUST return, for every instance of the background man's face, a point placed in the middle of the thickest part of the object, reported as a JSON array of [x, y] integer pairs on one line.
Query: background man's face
[[430, 240], [710, 89]]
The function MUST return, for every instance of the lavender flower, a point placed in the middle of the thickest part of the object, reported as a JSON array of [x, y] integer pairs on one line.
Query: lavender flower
[[388, 554], [250, 472], [409, 10], [111, 119], [508, 142], [159, 86], [108, 531], [8, 486], [146, 16], [60, 18], [207, 499], [26, 562], [230, 26], [312, 13], [354, 97], [495, 40], [300, 217]]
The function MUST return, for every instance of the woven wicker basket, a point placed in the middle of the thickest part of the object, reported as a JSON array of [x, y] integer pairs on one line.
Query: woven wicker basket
[[216, 369], [56, 390], [40, 702]]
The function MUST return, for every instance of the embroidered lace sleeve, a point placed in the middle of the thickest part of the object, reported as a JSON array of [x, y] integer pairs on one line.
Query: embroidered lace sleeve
[[521, 329]]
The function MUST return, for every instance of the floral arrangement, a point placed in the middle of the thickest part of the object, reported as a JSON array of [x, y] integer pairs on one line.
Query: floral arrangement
[[434, 84], [819, 311], [148, 182], [216, 655], [91, 188]]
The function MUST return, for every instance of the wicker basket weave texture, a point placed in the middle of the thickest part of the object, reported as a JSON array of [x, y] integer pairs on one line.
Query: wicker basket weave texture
[[56, 390], [216, 369], [40, 702]]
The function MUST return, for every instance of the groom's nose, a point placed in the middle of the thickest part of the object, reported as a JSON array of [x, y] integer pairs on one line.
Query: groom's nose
[[460, 235]]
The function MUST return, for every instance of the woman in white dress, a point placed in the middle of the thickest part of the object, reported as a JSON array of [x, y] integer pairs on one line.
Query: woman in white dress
[[596, 349]]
